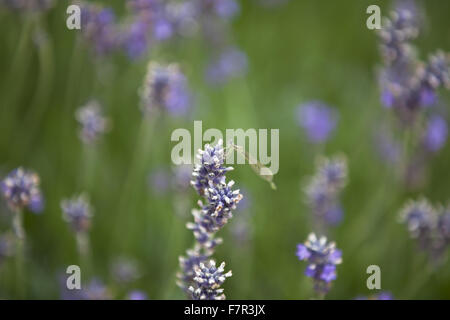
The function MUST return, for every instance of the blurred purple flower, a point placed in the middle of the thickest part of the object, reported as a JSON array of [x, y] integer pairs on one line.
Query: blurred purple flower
[[383, 295], [98, 26], [226, 8], [137, 295], [20, 188], [162, 29], [165, 88], [408, 84], [182, 175], [77, 211], [96, 290], [93, 123], [436, 133], [324, 188], [160, 180], [125, 270], [317, 119], [136, 40], [388, 149], [231, 63]]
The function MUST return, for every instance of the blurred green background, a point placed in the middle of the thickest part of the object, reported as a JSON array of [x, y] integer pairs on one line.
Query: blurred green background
[[298, 51]]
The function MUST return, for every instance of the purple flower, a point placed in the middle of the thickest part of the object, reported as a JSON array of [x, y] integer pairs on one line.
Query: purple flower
[[77, 212], [408, 84], [384, 295], [428, 225], [427, 97], [226, 8], [93, 123], [136, 40], [98, 26], [159, 181], [324, 188], [182, 175], [318, 120], [210, 168], [208, 279], [436, 133], [125, 270], [137, 295], [162, 29], [231, 63], [165, 88], [20, 188], [96, 290], [322, 258], [420, 217], [199, 279], [387, 98]]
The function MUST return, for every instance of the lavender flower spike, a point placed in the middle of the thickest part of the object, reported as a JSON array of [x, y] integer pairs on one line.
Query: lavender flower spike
[[322, 258], [318, 120], [77, 212], [202, 280], [93, 124], [20, 188], [323, 191], [165, 88], [209, 278], [420, 218]]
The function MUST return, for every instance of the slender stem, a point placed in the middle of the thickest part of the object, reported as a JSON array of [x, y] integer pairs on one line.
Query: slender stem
[[17, 225], [20, 258], [84, 251], [89, 164]]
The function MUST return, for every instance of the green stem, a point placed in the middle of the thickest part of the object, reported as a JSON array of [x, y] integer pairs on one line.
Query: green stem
[[20, 254], [83, 246]]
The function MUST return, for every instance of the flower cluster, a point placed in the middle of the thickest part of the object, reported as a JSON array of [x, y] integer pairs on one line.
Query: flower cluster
[[125, 270], [410, 87], [435, 134], [149, 23], [429, 225], [229, 64], [137, 295], [20, 188], [408, 84], [383, 295], [322, 258], [209, 278], [210, 183], [77, 212], [318, 120], [99, 28], [322, 192], [93, 123], [165, 88]]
